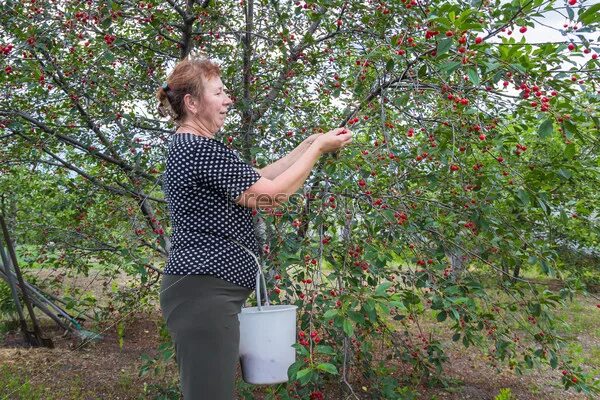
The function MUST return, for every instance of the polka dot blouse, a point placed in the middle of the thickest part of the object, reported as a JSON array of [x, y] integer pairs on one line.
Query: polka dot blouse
[[202, 180]]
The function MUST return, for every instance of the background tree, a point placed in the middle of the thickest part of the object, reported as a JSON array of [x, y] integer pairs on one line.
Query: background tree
[[475, 159]]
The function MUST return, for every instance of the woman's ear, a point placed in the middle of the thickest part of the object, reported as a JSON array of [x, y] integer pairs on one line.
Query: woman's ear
[[189, 104]]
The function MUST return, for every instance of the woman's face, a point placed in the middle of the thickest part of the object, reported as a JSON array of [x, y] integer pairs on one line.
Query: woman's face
[[214, 105]]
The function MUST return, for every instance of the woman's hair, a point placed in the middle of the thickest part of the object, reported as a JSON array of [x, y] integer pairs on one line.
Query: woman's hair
[[188, 76]]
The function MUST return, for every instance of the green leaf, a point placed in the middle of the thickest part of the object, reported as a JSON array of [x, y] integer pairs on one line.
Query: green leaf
[[304, 375], [356, 317], [380, 291], [492, 66], [570, 13], [389, 65], [369, 308], [570, 151], [545, 129], [570, 129], [347, 327], [330, 368], [455, 314], [553, 360], [329, 314], [325, 350], [294, 368], [466, 341], [441, 317], [450, 66], [443, 46], [523, 197], [473, 76], [301, 349], [564, 173], [590, 15]]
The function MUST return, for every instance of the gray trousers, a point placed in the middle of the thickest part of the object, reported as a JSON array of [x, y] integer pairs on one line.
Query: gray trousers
[[201, 315]]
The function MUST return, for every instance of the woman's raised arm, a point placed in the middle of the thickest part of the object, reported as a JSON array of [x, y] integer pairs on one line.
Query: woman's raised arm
[[273, 192]]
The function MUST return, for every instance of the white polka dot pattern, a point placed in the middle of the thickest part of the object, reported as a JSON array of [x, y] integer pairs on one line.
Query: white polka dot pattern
[[202, 180]]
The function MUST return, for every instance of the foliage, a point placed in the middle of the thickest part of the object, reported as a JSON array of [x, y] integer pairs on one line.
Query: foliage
[[474, 157], [505, 394], [7, 304]]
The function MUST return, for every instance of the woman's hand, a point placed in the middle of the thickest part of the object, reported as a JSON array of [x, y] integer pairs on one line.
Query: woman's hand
[[333, 140]]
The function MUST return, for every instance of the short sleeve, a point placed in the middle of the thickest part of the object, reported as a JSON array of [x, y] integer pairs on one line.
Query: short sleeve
[[224, 171]]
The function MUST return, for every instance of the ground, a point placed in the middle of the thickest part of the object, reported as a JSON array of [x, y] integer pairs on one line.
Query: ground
[[104, 370]]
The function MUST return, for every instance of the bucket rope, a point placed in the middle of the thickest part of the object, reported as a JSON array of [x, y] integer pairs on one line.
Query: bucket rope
[[259, 276]]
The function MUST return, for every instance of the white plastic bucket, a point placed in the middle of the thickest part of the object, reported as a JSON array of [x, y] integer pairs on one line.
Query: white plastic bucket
[[267, 334], [266, 339]]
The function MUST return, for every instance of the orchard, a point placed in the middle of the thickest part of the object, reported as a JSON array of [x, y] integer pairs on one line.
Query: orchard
[[474, 166]]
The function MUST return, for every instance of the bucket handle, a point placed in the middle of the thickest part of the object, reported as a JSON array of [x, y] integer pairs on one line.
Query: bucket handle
[[259, 276]]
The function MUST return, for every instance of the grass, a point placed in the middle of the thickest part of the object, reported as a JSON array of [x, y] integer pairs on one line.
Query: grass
[[581, 317], [14, 386]]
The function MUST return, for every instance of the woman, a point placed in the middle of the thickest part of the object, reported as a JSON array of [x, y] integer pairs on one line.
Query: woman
[[210, 192]]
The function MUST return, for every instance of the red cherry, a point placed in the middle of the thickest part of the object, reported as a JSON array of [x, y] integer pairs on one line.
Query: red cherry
[[572, 2], [478, 40], [523, 29], [571, 46], [454, 167], [449, 33], [362, 183], [482, 136]]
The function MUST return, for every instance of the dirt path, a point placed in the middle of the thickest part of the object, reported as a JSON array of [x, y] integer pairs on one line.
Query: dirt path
[[104, 370]]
